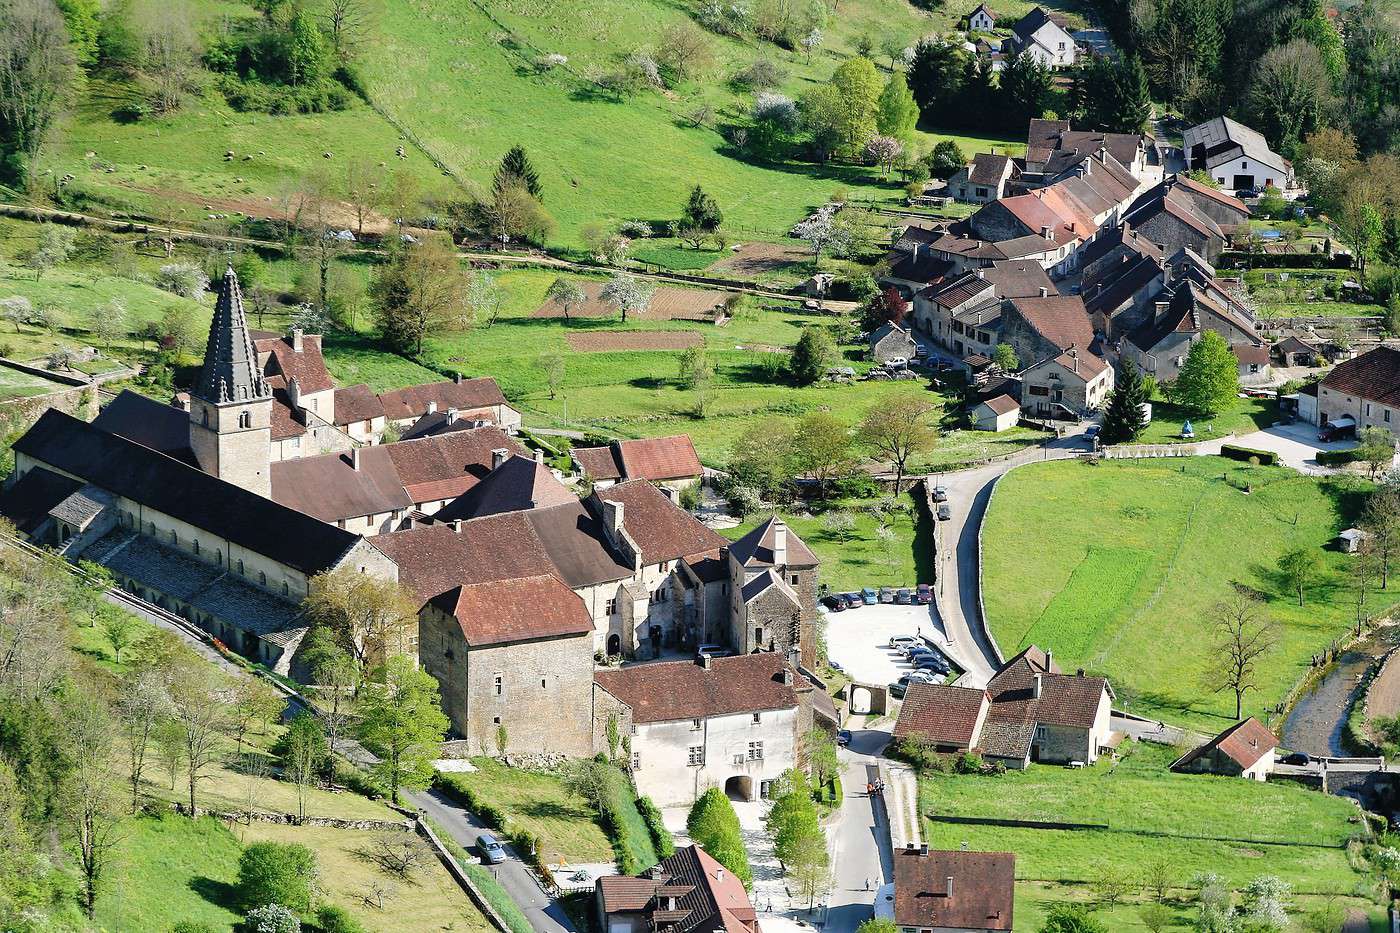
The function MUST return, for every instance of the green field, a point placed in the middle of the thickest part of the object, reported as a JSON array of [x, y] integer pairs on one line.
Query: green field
[[1304, 293], [15, 383], [169, 869], [1243, 416], [1141, 553]]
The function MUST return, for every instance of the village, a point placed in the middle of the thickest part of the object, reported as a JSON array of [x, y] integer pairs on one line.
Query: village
[[947, 483]]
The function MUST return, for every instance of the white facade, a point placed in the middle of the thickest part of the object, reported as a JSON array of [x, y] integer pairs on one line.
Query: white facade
[[675, 762], [1244, 172], [981, 21]]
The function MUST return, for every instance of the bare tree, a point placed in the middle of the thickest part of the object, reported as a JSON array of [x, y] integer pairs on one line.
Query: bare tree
[[363, 185], [197, 694], [400, 854], [345, 24], [92, 815], [37, 71], [1241, 638], [1381, 521], [141, 706], [172, 47]]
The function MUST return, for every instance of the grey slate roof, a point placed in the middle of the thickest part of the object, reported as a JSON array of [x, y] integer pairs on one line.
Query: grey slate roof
[[230, 372], [149, 423], [27, 500]]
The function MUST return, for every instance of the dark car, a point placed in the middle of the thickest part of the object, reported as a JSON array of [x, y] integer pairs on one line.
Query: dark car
[[853, 600], [944, 512], [940, 494], [923, 594], [898, 689], [843, 738], [1297, 758], [903, 597], [1247, 193], [492, 852], [834, 603], [886, 594], [930, 663], [1091, 431]]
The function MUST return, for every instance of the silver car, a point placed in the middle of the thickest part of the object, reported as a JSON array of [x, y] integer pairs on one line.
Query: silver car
[[492, 852]]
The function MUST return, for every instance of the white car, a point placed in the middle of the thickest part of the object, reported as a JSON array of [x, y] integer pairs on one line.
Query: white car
[[897, 362], [902, 643]]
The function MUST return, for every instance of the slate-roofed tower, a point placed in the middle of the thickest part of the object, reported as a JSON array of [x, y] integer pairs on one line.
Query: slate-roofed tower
[[231, 404]]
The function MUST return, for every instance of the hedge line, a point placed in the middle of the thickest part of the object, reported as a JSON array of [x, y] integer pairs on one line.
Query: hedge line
[[621, 817], [1249, 454], [660, 835], [524, 841], [1337, 457]]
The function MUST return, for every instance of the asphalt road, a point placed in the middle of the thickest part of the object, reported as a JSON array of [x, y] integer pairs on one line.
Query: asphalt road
[[862, 840], [543, 913]]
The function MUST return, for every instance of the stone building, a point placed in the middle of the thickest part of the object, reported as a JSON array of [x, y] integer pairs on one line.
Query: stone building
[[892, 341], [1068, 386], [773, 593], [1044, 327], [1366, 389], [686, 892], [669, 462], [953, 891], [1245, 750]]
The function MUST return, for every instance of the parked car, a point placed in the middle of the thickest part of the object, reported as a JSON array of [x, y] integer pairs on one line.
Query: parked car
[[1091, 431], [903, 643], [929, 662], [920, 351], [897, 362], [835, 665], [899, 688], [853, 600], [834, 603], [886, 594], [492, 852], [1297, 758], [1247, 193], [869, 596], [903, 596], [923, 594], [940, 494], [944, 512], [843, 737], [1339, 429]]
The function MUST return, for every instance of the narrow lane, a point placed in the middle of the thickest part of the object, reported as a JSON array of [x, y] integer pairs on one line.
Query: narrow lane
[[862, 860]]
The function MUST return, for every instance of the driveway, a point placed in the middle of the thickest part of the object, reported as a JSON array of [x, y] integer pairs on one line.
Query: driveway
[[858, 640], [1296, 445], [861, 856]]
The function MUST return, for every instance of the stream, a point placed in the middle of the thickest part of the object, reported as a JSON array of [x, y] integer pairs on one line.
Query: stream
[[1318, 720]]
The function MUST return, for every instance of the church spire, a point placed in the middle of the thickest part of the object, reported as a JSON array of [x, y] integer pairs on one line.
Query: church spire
[[230, 372]]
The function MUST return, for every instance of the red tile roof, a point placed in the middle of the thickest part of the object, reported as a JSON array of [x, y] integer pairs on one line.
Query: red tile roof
[[522, 609], [663, 530], [660, 458], [308, 367], [446, 465], [597, 462], [1244, 743], [940, 714], [1060, 319], [666, 691], [411, 402], [357, 403], [982, 895], [1374, 375]]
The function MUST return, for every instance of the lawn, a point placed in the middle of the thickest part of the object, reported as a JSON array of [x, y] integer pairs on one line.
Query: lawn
[[15, 383], [169, 869], [1243, 416], [540, 803], [1141, 553], [1304, 293], [1197, 823]]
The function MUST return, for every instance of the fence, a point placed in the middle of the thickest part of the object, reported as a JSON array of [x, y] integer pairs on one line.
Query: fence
[[1145, 451]]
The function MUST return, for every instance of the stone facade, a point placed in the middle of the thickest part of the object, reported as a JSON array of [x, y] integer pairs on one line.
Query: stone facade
[[1051, 386], [1333, 404], [232, 440], [1173, 233]]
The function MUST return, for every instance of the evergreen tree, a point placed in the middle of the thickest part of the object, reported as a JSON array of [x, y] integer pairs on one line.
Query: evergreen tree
[[701, 211], [978, 93], [1132, 102], [1123, 419], [814, 352], [515, 166], [1026, 87], [935, 78], [897, 113]]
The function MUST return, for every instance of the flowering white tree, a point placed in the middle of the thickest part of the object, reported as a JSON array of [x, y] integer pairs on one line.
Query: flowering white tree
[[823, 233], [629, 293], [883, 151], [778, 109], [1267, 898], [811, 41]]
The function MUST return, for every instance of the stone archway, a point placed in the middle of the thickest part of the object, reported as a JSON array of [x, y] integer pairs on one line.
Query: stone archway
[[614, 645], [739, 787], [860, 700]]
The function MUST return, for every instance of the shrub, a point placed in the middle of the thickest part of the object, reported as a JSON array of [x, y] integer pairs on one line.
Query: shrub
[[272, 918], [969, 763], [660, 835], [635, 229], [715, 826], [278, 873], [192, 926], [333, 919], [1250, 455], [1336, 457]]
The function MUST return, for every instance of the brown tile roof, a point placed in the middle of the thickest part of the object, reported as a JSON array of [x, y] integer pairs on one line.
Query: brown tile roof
[[1084, 364], [755, 549], [597, 462], [988, 169], [1244, 743], [308, 367], [663, 530], [709, 899], [1065, 699], [446, 465], [433, 559], [1374, 375], [357, 403], [519, 483], [625, 894], [523, 609], [339, 486], [286, 421], [1002, 404], [666, 691], [1018, 278], [1214, 194], [659, 458], [1060, 319], [413, 401], [941, 714], [983, 894]]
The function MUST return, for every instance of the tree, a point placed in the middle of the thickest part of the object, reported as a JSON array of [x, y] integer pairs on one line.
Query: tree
[[420, 290], [821, 749], [53, 249], [793, 815], [1240, 639], [684, 52], [371, 618], [1290, 92], [484, 297], [37, 73], [1209, 379], [107, 321], [821, 448], [142, 704], [822, 233], [898, 111], [1123, 418], [402, 721], [509, 212], [122, 630], [877, 925], [759, 458], [810, 866], [935, 78], [1155, 916], [629, 293], [811, 41], [17, 310], [884, 151], [305, 752], [197, 698], [252, 702], [1298, 568], [713, 824], [345, 26], [170, 55], [1266, 901], [899, 428], [946, 159], [1132, 101], [1360, 227], [1380, 519], [91, 811], [1026, 86], [820, 110], [1071, 918], [1376, 449], [701, 212], [1004, 355], [553, 365], [858, 86], [567, 294], [276, 873], [515, 168], [813, 354], [306, 54]]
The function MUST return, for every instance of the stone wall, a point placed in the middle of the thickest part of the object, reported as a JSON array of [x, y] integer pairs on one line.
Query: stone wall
[[1172, 234]]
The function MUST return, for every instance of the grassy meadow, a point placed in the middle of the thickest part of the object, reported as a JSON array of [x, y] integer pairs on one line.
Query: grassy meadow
[[1128, 591]]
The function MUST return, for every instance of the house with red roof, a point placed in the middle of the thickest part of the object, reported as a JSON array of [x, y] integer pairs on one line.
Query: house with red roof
[[1365, 388], [687, 892], [669, 462], [957, 891], [1245, 750]]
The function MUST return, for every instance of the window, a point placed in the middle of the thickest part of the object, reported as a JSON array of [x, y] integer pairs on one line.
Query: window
[[1387, 416], [755, 751], [757, 718], [1040, 733], [1244, 163], [610, 607], [543, 684], [495, 720], [196, 545], [262, 578], [695, 757], [245, 419], [240, 567], [793, 579], [695, 725], [498, 684], [1368, 409], [1040, 390], [174, 538], [219, 558], [981, 192], [636, 761], [204, 416]]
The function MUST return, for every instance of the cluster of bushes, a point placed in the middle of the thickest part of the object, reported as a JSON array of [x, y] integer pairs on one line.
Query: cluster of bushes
[[923, 758], [660, 835], [1250, 455], [830, 792], [525, 842], [280, 64], [1337, 457], [275, 887], [714, 825]]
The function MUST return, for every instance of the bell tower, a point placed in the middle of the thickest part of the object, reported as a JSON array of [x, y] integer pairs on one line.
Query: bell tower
[[231, 404]]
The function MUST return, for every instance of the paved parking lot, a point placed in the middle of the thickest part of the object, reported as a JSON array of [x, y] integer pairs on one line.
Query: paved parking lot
[[858, 639], [1296, 444]]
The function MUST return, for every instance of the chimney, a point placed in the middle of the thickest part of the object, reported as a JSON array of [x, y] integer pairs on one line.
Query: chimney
[[705, 662], [451, 416], [1035, 691], [787, 677], [1044, 292], [432, 407], [499, 456], [457, 525], [457, 378], [981, 273], [719, 874], [949, 892], [296, 339], [539, 455], [1047, 233], [779, 543], [355, 458], [1050, 655], [612, 518], [294, 392]]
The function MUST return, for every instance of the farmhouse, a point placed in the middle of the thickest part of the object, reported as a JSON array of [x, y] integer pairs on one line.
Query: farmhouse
[[953, 891], [891, 341], [1182, 213], [1178, 318], [1044, 327], [1237, 157], [1051, 145], [1045, 36], [734, 723], [687, 892], [984, 178], [997, 413], [670, 462], [1069, 386], [981, 19], [1365, 388], [1245, 750], [472, 399]]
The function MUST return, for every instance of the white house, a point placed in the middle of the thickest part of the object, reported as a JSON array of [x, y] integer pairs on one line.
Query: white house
[[996, 414], [1237, 157], [1045, 36], [981, 19]]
